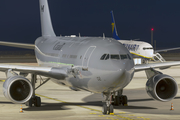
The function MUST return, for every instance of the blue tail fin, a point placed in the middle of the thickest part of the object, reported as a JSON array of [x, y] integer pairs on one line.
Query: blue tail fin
[[114, 31]]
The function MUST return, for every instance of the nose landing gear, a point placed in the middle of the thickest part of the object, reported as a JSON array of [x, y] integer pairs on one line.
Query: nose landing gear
[[107, 106], [116, 99]]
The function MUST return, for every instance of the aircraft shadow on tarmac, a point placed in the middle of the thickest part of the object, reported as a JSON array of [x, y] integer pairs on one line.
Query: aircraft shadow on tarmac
[[2, 102], [61, 106], [148, 99], [64, 106]]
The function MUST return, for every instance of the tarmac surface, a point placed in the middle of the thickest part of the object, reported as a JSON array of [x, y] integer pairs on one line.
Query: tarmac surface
[[61, 103]]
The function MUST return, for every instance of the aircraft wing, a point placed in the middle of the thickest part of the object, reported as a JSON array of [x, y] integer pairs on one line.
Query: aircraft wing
[[165, 50], [155, 65], [53, 72], [19, 45]]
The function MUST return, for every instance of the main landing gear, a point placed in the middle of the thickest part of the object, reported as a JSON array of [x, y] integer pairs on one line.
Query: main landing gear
[[119, 99], [35, 99], [111, 99]]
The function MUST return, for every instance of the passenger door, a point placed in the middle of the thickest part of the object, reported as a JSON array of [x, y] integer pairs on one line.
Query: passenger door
[[87, 57]]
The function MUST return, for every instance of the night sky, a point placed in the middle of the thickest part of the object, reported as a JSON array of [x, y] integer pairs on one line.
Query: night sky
[[20, 19]]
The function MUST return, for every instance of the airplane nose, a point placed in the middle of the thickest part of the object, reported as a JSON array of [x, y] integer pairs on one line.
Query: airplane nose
[[124, 75]]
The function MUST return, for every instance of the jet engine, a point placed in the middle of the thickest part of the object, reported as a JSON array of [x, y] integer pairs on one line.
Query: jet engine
[[162, 87], [17, 89]]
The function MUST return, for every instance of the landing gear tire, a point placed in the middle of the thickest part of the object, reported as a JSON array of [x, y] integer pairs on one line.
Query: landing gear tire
[[116, 101], [124, 100], [37, 101], [29, 103], [111, 109], [104, 109]]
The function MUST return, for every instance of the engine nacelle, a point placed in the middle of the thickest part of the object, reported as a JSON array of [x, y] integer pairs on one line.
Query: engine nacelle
[[162, 87], [17, 89]]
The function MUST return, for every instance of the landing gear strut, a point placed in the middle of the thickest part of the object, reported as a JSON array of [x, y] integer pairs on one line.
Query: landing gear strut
[[35, 99]]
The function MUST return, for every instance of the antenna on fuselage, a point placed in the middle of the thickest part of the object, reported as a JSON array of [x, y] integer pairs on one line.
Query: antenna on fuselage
[[79, 35], [136, 39]]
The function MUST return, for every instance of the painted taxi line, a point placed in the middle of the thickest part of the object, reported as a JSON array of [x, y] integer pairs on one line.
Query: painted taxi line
[[116, 116]]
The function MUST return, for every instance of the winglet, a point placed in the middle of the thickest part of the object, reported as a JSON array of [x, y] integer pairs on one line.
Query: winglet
[[46, 25], [114, 31]]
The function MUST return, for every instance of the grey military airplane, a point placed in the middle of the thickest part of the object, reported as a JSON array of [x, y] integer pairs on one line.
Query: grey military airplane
[[95, 64]]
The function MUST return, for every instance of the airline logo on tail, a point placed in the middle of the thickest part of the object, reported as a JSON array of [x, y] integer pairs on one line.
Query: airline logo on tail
[[114, 31]]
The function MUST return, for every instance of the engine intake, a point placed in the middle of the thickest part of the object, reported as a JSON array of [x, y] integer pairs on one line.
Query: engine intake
[[17, 89], [162, 87]]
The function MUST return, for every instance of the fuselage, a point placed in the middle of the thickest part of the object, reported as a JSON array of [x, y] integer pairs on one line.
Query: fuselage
[[103, 64], [139, 48]]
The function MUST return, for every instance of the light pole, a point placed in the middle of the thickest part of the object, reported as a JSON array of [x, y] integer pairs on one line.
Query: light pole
[[152, 29], [154, 45]]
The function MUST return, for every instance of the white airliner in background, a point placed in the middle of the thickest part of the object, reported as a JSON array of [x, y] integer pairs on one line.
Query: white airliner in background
[[94, 64], [139, 48]]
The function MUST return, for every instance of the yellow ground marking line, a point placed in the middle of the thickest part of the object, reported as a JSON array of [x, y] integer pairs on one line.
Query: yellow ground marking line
[[93, 113], [119, 116], [2, 80]]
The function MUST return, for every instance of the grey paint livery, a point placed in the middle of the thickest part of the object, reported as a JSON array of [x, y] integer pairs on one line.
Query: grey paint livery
[[93, 74]]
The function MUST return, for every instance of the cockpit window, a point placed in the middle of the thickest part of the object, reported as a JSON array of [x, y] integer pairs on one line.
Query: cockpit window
[[107, 57], [150, 48], [103, 56], [123, 57], [115, 57]]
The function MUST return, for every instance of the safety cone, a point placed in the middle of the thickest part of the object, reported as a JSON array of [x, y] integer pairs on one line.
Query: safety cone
[[21, 111], [172, 106]]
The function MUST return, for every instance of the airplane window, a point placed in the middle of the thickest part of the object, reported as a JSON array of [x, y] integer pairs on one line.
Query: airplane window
[[115, 57], [64, 55], [73, 56], [103, 56], [124, 57], [147, 48], [107, 57]]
